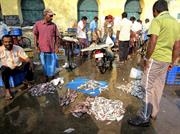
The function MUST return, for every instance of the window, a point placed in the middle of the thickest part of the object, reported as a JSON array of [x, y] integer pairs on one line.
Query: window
[[178, 16]]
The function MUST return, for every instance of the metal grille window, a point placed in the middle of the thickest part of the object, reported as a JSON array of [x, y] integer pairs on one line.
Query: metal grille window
[[133, 8], [178, 16], [32, 10], [88, 8]]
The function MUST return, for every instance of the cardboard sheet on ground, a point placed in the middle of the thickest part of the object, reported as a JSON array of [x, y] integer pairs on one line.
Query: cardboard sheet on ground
[[80, 84], [96, 46]]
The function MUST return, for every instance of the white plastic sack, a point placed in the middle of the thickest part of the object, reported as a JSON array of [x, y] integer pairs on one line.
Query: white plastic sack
[[57, 81], [136, 73], [109, 40]]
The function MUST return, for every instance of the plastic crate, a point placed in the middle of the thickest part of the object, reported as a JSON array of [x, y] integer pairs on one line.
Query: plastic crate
[[14, 80], [72, 30], [16, 32], [173, 76]]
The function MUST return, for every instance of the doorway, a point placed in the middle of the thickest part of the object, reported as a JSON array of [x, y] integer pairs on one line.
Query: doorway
[[32, 10], [88, 8], [133, 8]]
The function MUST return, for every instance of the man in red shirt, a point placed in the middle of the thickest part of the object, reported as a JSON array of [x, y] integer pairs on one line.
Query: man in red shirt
[[45, 41]]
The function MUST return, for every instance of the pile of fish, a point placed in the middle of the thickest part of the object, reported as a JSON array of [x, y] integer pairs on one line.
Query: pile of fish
[[92, 85], [106, 109], [68, 98], [82, 108], [134, 88], [102, 108], [46, 88]]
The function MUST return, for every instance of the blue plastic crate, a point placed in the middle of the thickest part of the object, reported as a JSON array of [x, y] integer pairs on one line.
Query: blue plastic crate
[[173, 76], [73, 30], [14, 80], [16, 32]]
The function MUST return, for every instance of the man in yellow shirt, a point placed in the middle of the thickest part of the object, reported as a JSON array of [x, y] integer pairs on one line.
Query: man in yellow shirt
[[162, 52]]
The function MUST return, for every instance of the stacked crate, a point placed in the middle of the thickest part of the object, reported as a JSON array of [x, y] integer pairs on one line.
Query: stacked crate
[[14, 80], [173, 76]]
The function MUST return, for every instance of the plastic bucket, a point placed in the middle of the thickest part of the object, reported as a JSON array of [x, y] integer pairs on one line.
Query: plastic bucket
[[16, 32]]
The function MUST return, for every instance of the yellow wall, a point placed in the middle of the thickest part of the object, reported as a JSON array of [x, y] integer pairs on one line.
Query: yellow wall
[[147, 9], [66, 10], [174, 8], [9, 7]]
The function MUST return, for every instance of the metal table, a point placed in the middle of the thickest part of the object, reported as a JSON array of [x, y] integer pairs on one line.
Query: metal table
[[68, 45]]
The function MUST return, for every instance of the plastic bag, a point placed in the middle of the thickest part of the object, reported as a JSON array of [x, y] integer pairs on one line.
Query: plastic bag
[[136, 73], [109, 40]]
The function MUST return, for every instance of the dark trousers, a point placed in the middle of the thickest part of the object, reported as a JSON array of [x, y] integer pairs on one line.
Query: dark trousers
[[7, 72], [123, 50]]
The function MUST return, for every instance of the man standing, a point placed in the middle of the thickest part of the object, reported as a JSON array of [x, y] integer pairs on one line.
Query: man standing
[[145, 29], [81, 32], [46, 42], [108, 26], [123, 37], [162, 52], [94, 30], [14, 60], [136, 30]]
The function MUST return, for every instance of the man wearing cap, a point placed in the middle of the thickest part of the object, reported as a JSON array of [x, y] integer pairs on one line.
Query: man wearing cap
[[94, 30], [108, 26], [45, 41]]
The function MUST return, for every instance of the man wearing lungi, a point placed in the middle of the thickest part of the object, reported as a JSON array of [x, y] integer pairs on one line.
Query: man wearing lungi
[[45, 41]]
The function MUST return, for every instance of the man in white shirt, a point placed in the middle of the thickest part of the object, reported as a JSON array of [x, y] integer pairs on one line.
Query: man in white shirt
[[136, 26], [14, 60], [81, 32], [145, 29], [136, 30], [123, 37]]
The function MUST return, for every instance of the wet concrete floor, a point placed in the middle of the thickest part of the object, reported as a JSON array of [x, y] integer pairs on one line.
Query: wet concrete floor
[[43, 115]]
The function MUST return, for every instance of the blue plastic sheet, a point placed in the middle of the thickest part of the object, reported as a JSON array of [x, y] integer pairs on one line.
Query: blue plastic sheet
[[73, 85]]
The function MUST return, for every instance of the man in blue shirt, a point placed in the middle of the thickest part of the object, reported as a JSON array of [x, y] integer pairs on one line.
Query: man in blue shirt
[[94, 30]]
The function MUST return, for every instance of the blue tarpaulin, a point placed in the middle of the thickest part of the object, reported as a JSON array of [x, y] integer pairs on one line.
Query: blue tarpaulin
[[75, 85]]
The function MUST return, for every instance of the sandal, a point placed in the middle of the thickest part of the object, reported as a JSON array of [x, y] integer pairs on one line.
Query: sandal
[[8, 97]]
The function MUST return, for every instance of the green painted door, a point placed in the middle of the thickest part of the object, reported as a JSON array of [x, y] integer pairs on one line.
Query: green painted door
[[0, 13], [88, 8], [32, 10], [133, 8]]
